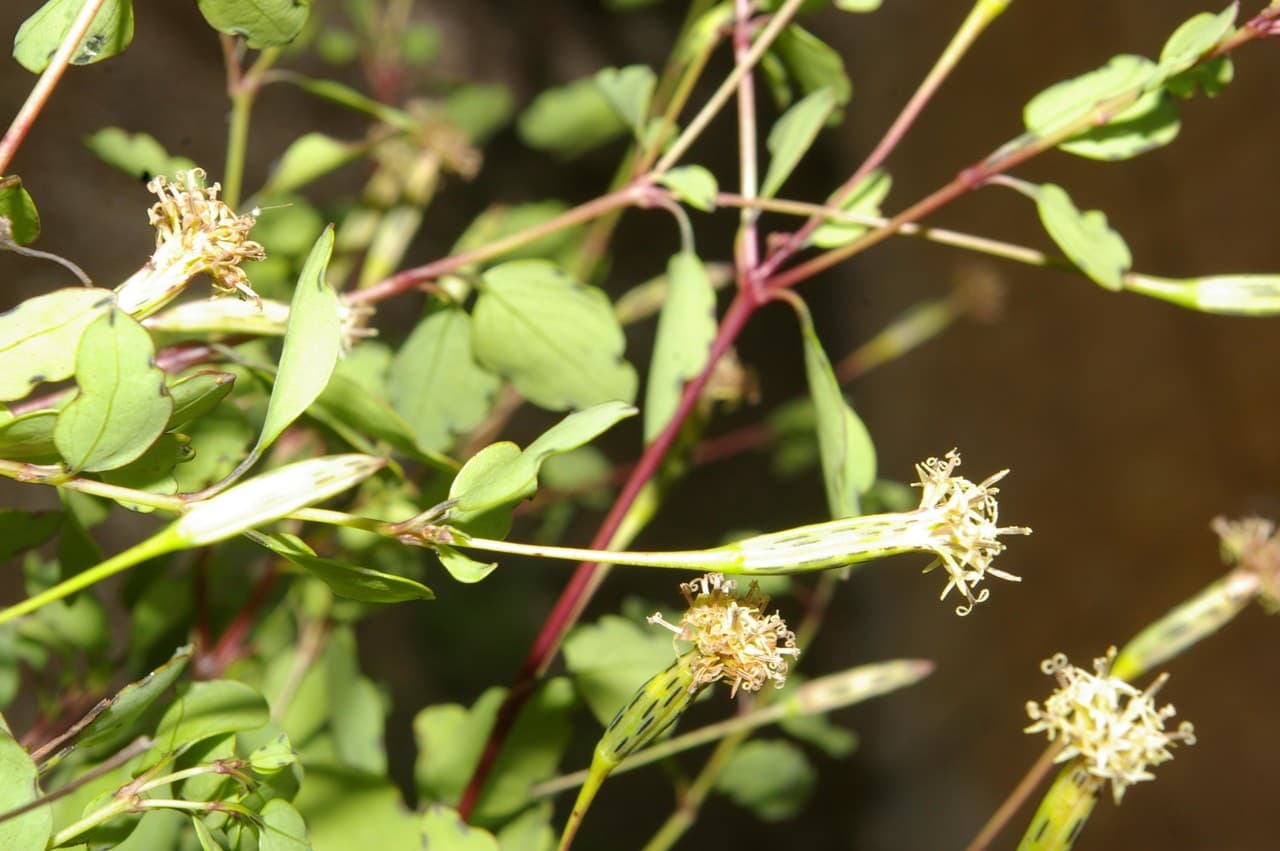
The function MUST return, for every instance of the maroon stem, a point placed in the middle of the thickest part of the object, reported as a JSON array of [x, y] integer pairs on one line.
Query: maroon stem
[[577, 592]]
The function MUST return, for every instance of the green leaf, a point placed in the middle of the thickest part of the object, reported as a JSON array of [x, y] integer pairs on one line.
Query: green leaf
[[865, 199], [464, 568], [501, 221], [262, 23], [555, 338], [1085, 238], [848, 455], [532, 752], [19, 210], [494, 470], [30, 438], [22, 530], [272, 495], [504, 483], [349, 98], [773, 779], [813, 64], [282, 828], [41, 34], [628, 91], [345, 809], [207, 709], [450, 740], [347, 580], [1196, 37], [204, 835], [220, 440], [1210, 77], [570, 120], [611, 659], [311, 344], [792, 136], [136, 154], [1148, 123], [435, 382], [836, 742], [197, 394], [153, 471], [307, 158], [347, 403], [686, 328], [123, 404], [126, 706], [693, 185], [272, 756], [858, 5], [38, 337], [357, 709], [529, 831], [444, 830], [479, 109], [19, 784]]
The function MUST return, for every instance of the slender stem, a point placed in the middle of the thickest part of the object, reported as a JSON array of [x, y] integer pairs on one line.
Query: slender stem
[[979, 17], [243, 91], [115, 807], [721, 96], [1007, 810], [408, 279], [43, 89], [747, 244], [157, 545]]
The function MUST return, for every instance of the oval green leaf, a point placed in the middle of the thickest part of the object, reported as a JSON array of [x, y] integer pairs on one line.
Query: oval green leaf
[[1085, 238], [307, 158], [30, 438], [41, 34], [207, 709], [555, 338], [38, 337], [693, 185], [19, 785], [122, 709], [136, 154], [17, 208], [570, 120], [262, 23], [793, 134], [686, 327], [123, 404], [197, 395], [444, 829]]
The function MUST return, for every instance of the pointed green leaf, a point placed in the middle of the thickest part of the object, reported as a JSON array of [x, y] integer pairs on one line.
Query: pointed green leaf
[[19, 785], [686, 327], [136, 154], [813, 64], [693, 185], [38, 337], [435, 382], [628, 90], [307, 158], [792, 136], [272, 495], [126, 706], [1196, 37], [773, 779], [444, 830], [311, 344], [41, 34], [197, 394], [123, 404], [349, 98], [865, 199], [1085, 238], [348, 580], [570, 120], [207, 709], [262, 23], [463, 568], [282, 828], [19, 210], [555, 338], [848, 455], [30, 438], [505, 482]]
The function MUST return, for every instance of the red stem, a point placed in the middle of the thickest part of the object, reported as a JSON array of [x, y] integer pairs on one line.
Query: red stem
[[576, 594]]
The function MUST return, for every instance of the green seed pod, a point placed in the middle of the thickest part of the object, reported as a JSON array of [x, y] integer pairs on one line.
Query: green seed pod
[[654, 709]]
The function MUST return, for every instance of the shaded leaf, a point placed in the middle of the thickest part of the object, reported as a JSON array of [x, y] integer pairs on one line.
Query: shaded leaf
[[773, 779], [479, 109], [41, 34], [611, 659], [450, 739], [22, 530], [792, 135], [813, 64], [30, 438], [19, 785], [348, 580], [127, 705], [628, 90], [444, 830], [307, 158], [282, 828], [19, 210], [686, 328], [123, 404], [693, 185], [197, 394], [532, 751], [570, 120], [136, 154], [207, 709], [555, 338]]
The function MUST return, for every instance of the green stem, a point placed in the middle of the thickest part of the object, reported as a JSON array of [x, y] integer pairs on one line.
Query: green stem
[[243, 91], [165, 541], [1063, 811], [116, 807], [57, 477]]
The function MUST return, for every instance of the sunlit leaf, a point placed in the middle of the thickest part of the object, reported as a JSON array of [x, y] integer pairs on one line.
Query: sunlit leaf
[[628, 90], [865, 199], [307, 158], [262, 23], [207, 709], [136, 154], [41, 34], [1085, 237], [686, 327], [693, 185], [38, 337], [570, 120], [19, 785], [19, 210]]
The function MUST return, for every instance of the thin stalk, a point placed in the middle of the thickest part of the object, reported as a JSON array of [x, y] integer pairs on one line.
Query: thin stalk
[[108, 765], [747, 243], [1009, 808], [243, 91], [979, 17], [43, 89], [721, 96], [57, 477], [404, 281]]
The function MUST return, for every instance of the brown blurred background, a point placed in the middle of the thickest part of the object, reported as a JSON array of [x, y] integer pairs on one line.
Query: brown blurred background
[[1128, 423]]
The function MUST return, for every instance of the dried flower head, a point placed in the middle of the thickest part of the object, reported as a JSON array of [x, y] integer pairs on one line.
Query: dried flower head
[[961, 524], [1252, 543], [1115, 730], [195, 233], [733, 639]]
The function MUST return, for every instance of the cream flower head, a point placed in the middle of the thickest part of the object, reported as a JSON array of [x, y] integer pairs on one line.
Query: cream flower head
[[733, 639], [1115, 730]]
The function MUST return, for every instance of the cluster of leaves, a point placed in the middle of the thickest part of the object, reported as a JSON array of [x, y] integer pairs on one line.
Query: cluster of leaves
[[241, 415]]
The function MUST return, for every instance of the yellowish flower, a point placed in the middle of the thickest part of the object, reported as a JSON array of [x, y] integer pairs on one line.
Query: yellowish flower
[[1116, 731], [734, 640]]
